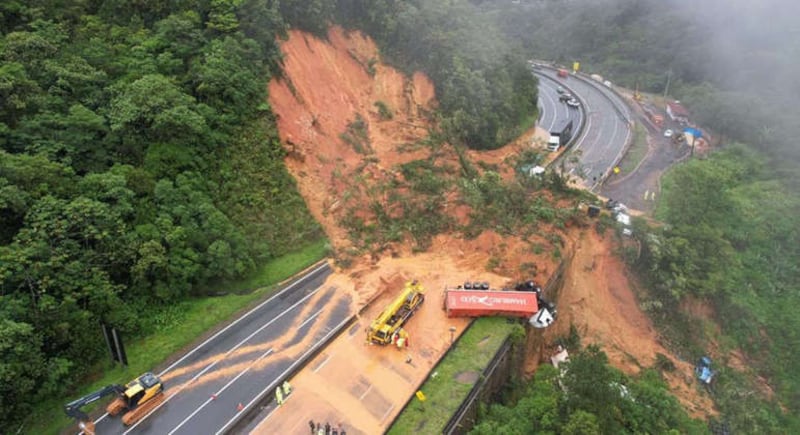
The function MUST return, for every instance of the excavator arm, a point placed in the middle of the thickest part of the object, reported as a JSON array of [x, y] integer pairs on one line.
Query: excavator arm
[[73, 409]]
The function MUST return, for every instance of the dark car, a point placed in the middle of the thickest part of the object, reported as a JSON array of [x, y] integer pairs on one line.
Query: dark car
[[564, 98]]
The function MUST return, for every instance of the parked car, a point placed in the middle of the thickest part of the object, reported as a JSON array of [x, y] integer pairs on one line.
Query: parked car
[[573, 103]]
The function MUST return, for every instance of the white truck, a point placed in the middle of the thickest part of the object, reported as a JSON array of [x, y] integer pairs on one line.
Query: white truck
[[560, 135]]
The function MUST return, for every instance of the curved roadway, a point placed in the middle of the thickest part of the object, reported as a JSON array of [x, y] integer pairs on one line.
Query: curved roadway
[[607, 130], [550, 108]]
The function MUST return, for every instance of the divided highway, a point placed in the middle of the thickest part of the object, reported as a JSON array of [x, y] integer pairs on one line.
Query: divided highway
[[606, 132], [551, 109], [244, 361]]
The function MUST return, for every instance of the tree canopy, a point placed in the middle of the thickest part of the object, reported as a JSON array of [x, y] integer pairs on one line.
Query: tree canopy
[[139, 165]]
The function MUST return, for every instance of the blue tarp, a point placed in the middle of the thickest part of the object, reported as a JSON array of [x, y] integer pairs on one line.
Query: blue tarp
[[694, 132]]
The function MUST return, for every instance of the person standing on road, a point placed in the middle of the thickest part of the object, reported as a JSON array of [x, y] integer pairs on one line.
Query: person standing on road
[[313, 426], [327, 428], [287, 389], [278, 396]]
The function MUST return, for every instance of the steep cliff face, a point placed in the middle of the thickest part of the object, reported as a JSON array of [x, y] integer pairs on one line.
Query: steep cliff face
[[342, 113]]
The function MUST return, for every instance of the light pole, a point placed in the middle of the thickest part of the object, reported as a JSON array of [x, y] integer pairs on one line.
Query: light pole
[[452, 331]]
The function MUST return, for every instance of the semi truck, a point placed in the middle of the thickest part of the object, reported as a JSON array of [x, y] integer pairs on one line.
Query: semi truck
[[384, 328], [479, 303], [560, 135]]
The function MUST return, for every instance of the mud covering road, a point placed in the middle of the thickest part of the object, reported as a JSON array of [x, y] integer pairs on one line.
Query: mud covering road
[[205, 388]]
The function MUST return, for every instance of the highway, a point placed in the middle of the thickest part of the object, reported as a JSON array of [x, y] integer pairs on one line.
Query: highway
[[244, 360], [606, 132], [550, 108]]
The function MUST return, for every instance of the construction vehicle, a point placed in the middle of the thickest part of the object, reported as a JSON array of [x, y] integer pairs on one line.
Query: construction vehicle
[[136, 398], [383, 329]]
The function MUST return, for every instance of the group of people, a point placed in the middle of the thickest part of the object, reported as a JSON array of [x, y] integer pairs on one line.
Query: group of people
[[327, 429]]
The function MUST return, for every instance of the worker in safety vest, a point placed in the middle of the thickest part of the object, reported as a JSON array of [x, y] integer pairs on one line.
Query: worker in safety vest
[[278, 396], [287, 389], [402, 339]]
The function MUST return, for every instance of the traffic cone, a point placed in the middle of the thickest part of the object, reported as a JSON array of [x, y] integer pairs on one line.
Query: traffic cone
[[240, 407]]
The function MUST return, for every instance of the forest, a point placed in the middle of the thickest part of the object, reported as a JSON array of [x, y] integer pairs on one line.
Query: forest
[[589, 397], [140, 165]]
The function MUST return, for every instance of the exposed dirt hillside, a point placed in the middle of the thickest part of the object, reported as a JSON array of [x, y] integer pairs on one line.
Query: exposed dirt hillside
[[598, 299], [327, 86]]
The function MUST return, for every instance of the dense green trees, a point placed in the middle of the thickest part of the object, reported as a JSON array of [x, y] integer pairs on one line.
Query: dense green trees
[[733, 239], [138, 165], [589, 397], [487, 96]]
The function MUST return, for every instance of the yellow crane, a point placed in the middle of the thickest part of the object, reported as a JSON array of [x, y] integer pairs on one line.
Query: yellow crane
[[395, 315]]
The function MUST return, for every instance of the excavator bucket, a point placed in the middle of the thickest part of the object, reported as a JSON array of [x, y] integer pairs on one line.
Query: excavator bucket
[[116, 406], [142, 410]]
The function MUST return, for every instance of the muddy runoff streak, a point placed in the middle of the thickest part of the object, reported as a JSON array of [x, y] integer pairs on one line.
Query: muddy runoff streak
[[272, 348]]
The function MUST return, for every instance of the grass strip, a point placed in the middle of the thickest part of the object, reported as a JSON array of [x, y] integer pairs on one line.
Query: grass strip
[[637, 151], [443, 391], [178, 328]]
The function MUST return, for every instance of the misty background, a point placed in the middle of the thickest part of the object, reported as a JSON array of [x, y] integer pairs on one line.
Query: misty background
[[733, 63]]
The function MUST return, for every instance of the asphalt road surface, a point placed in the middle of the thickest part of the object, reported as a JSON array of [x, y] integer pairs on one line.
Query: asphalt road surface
[[551, 109], [603, 139], [243, 361], [638, 189]]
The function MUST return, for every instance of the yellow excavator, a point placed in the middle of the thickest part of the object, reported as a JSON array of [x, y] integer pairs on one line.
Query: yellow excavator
[[383, 329], [137, 398]]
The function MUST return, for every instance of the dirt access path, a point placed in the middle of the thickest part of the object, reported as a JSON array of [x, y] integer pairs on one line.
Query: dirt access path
[[326, 85]]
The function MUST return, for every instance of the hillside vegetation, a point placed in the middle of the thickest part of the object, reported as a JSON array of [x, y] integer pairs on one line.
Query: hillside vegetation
[[731, 239], [486, 94], [140, 166]]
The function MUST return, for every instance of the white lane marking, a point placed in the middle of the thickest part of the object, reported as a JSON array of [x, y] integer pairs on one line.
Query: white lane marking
[[552, 102], [365, 392], [387, 412], [588, 127], [309, 319], [312, 349], [210, 399], [290, 286], [312, 317], [322, 364], [223, 357]]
